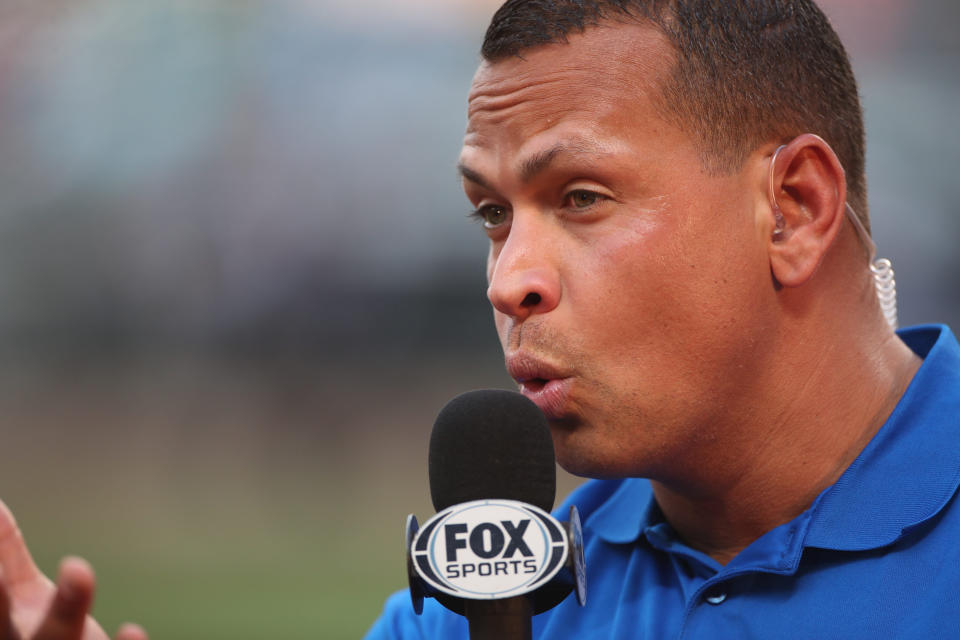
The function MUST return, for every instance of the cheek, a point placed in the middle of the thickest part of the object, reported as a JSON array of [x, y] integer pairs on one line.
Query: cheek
[[665, 301], [629, 283]]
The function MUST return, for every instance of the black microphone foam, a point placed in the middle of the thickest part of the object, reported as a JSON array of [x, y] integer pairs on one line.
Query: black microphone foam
[[492, 444]]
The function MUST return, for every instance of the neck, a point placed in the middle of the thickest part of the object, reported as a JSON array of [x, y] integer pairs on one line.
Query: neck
[[796, 440]]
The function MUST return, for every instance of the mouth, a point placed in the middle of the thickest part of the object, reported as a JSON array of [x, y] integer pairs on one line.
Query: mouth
[[533, 385], [547, 386], [550, 395]]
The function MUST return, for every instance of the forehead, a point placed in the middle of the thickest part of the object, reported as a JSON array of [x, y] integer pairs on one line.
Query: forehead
[[608, 75]]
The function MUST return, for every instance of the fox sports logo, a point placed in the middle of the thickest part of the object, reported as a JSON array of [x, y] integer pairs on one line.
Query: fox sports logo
[[489, 549]]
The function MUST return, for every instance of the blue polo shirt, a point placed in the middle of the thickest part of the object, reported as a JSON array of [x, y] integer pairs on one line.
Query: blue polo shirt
[[877, 554]]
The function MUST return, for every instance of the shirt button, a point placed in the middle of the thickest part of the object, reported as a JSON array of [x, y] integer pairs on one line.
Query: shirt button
[[715, 596]]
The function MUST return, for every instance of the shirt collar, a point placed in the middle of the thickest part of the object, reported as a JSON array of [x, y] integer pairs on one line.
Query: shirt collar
[[905, 475], [626, 513], [910, 469]]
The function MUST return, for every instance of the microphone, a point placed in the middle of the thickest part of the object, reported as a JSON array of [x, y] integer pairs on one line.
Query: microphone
[[493, 552]]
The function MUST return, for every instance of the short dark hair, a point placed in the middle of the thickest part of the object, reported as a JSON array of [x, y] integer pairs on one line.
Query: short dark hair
[[747, 72]]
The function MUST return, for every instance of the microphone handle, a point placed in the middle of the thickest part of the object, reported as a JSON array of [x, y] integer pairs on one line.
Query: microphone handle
[[505, 619]]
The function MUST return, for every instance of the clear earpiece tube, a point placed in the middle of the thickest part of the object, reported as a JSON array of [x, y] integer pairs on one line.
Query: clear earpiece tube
[[882, 270], [886, 289]]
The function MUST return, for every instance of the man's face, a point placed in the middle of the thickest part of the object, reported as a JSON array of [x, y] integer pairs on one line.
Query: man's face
[[629, 287]]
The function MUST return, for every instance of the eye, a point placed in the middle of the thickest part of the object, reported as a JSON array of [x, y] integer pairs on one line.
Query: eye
[[582, 199], [492, 215]]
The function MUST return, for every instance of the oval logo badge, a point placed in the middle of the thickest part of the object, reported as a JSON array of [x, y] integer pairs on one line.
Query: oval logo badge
[[489, 549]]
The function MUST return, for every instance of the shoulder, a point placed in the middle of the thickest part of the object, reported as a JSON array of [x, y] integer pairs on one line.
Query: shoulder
[[399, 622], [593, 495], [615, 511]]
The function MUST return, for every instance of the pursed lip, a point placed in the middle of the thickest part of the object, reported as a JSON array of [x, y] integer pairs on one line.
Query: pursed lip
[[545, 384]]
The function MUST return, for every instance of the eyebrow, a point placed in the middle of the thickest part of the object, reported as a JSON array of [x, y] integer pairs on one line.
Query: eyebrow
[[473, 176], [537, 163]]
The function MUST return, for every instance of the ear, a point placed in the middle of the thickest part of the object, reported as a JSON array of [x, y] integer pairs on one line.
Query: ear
[[808, 193]]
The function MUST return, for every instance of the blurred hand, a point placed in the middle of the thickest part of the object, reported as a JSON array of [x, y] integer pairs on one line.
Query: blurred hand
[[34, 608]]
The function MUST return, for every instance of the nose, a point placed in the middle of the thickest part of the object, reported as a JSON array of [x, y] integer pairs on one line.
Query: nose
[[523, 279]]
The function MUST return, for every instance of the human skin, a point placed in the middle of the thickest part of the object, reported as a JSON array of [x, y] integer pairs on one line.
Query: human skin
[[32, 607], [643, 303]]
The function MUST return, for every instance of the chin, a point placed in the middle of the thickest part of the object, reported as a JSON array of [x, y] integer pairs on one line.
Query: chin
[[597, 471], [602, 457], [588, 462]]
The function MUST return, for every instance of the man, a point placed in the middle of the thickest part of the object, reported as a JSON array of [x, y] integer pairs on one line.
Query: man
[[670, 189], [33, 608]]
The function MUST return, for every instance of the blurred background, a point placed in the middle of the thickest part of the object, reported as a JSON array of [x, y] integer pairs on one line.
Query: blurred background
[[237, 282]]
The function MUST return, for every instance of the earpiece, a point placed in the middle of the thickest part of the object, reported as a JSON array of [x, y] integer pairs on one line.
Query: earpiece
[[779, 222]]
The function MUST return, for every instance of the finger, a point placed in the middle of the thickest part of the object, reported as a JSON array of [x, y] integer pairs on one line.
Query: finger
[[7, 632], [71, 603], [18, 566], [130, 631]]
